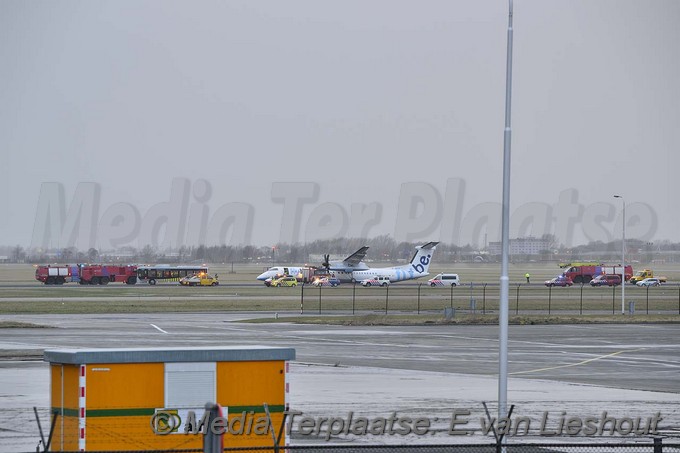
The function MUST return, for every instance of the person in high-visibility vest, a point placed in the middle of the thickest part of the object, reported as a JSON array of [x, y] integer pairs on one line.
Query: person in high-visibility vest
[[527, 276]]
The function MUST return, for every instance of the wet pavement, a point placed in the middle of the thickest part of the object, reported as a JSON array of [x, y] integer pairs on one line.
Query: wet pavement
[[556, 372]]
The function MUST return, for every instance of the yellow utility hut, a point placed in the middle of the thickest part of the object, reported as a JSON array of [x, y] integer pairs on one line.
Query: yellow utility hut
[[139, 399]]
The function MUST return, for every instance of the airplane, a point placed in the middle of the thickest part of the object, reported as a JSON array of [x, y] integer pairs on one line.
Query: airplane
[[349, 264], [353, 269], [416, 268]]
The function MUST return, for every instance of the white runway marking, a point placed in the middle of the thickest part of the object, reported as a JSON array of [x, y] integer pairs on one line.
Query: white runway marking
[[157, 328], [576, 364]]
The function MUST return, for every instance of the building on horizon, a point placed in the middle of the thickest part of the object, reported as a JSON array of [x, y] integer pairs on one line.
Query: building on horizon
[[522, 246]]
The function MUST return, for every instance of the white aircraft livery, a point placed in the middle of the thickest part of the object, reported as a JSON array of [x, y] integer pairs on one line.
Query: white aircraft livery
[[353, 269], [418, 267], [278, 271], [349, 264]]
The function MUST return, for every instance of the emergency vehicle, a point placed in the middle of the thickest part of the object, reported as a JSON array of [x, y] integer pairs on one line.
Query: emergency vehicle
[[444, 280], [585, 272], [86, 274], [202, 279], [380, 280]]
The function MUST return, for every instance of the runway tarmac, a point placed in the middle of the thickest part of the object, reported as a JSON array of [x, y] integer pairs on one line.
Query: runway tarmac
[[627, 370]]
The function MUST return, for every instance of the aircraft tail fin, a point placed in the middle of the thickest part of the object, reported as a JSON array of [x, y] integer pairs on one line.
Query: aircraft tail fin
[[423, 256], [429, 246]]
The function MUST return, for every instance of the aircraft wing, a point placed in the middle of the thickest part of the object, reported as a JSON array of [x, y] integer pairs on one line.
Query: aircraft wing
[[355, 257]]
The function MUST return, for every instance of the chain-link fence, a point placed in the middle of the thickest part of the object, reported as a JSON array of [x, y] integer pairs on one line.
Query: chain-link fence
[[642, 446], [483, 298]]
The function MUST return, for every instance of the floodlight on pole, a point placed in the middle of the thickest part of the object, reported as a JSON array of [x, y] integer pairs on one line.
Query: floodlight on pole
[[505, 238], [623, 256]]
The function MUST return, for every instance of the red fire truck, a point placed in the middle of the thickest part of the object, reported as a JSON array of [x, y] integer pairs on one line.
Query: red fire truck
[[86, 274], [586, 271]]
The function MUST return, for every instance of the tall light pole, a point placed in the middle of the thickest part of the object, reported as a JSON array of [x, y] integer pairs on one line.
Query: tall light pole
[[623, 257], [505, 237]]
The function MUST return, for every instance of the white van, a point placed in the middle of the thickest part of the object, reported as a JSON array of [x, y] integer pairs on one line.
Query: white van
[[444, 280], [376, 281]]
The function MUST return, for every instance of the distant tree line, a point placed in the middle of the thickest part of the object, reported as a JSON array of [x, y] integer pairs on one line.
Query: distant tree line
[[382, 249]]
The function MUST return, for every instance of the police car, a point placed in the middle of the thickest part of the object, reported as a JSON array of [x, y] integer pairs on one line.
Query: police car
[[376, 281], [284, 281], [444, 280], [326, 281]]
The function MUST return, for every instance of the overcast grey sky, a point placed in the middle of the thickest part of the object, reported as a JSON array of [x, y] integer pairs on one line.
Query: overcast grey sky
[[352, 100]]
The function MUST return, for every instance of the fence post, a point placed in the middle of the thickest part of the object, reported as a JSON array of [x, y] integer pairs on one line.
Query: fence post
[[387, 296], [354, 292], [302, 298], [517, 304], [484, 299], [473, 302], [549, 297], [212, 441], [647, 299], [580, 310], [613, 297], [451, 296], [658, 448], [419, 285], [319, 299]]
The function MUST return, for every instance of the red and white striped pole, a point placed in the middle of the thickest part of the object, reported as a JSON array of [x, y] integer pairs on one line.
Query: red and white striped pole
[[81, 408]]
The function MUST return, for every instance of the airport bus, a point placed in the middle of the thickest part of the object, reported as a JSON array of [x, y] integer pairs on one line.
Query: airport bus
[[165, 273]]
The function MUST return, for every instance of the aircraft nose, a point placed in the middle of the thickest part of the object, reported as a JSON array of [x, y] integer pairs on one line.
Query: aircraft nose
[[262, 276]]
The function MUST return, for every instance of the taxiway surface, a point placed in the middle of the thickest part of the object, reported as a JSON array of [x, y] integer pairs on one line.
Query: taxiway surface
[[418, 370]]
